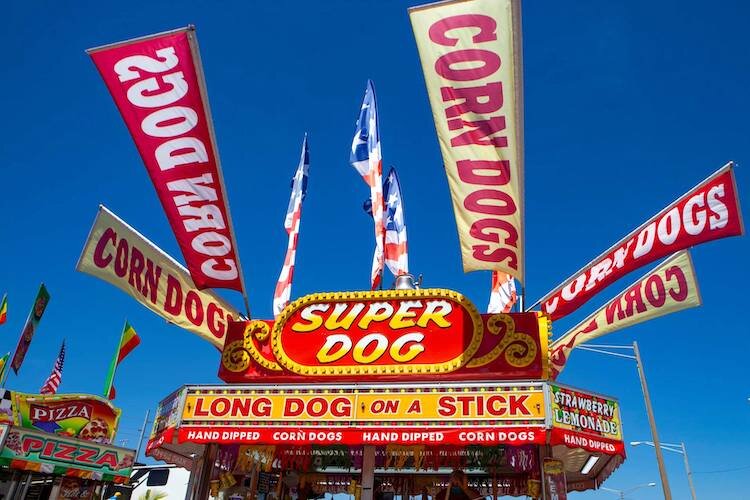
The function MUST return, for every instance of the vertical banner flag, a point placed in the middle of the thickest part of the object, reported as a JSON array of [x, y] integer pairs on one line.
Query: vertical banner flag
[[118, 254], [709, 211], [669, 288], [3, 367], [396, 249], [158, 85], [129, 340], [4, 309], [503, 295], [283, 291], [52, 383], [555, 486], [29, 328], [368, 160], [471, 58]]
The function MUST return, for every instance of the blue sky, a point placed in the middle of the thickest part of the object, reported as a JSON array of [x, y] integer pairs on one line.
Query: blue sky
[[628, 105]]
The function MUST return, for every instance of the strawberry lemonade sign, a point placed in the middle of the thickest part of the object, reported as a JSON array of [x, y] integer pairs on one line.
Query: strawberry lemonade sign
[[585, 420], [84, 417]]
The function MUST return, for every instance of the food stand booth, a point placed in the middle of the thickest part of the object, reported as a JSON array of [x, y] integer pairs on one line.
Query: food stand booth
[[384, 393], [61, 445]]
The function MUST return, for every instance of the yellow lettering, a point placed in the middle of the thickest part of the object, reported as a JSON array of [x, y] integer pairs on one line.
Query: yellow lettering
[[413, 349], [313, 320], [436, 311], [378, 311], [399, 319], [325, 356], [334, 320], [359, 350]]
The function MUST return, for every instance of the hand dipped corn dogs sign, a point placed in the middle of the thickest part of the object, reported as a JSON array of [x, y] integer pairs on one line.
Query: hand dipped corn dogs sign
[[158, 85], [386, 335], [493, 413], [471, 58]]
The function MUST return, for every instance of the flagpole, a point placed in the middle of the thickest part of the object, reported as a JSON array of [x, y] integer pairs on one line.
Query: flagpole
[[140, 439], [113, 364]]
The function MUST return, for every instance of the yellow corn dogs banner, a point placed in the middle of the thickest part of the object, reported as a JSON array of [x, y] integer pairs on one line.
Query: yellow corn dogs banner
[[471, 58], [669, 288], [119, 255]]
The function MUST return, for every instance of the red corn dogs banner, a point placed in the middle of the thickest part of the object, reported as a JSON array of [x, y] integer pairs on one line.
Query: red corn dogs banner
[[119, 255], [669, 288], [158, 86], [471, 58], [708, 212]]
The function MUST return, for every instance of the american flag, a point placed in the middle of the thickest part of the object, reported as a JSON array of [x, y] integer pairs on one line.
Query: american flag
[[503, 295], [283, 290], [53, 381], [366, 158], [396, 249]]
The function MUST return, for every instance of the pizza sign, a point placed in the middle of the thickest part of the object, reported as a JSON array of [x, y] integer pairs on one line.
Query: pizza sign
[[81, 416], [64, 411], [27, 449]]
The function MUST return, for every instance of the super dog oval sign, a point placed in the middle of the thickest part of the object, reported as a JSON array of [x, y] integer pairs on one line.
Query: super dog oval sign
[[377, 333]]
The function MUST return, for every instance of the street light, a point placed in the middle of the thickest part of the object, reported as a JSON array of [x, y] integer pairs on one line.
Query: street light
[[601, 349], [622, 493], [674, 448]]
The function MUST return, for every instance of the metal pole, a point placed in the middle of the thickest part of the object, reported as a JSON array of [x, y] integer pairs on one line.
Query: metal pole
[[368, 472], [652, 424], [689, 472], [140, 438]]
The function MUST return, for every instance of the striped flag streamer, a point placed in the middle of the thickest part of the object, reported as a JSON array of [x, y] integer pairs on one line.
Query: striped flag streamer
[[129, 340], [366, 158], [283, 291], [503, 295], [3, 368], [396, 249], [53, 381], [4, 309]]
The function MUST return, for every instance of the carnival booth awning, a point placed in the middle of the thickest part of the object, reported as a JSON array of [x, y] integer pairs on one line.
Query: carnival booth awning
[[62, 435], [433, 426]]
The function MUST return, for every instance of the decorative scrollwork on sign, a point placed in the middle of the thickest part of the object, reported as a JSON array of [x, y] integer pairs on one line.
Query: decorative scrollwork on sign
[[237, 355], [520, 348]]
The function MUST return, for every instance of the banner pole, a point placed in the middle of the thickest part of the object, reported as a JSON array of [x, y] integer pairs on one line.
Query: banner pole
[[140, 438], [193, 42], [652, 424], [113, 364]]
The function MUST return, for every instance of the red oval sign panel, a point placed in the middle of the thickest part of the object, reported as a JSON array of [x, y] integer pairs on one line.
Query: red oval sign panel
[[377, 333]]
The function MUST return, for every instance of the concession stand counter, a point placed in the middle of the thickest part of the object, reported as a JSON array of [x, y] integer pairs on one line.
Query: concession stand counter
[[384, 393]]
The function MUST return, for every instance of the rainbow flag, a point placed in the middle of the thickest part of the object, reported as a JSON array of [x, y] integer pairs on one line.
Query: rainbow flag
[[3, 366], [4, 309], [129, 340]]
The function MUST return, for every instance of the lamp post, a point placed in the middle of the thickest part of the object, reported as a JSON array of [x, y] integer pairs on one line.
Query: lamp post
[[675, 448], [622, 493], [602, 349]]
